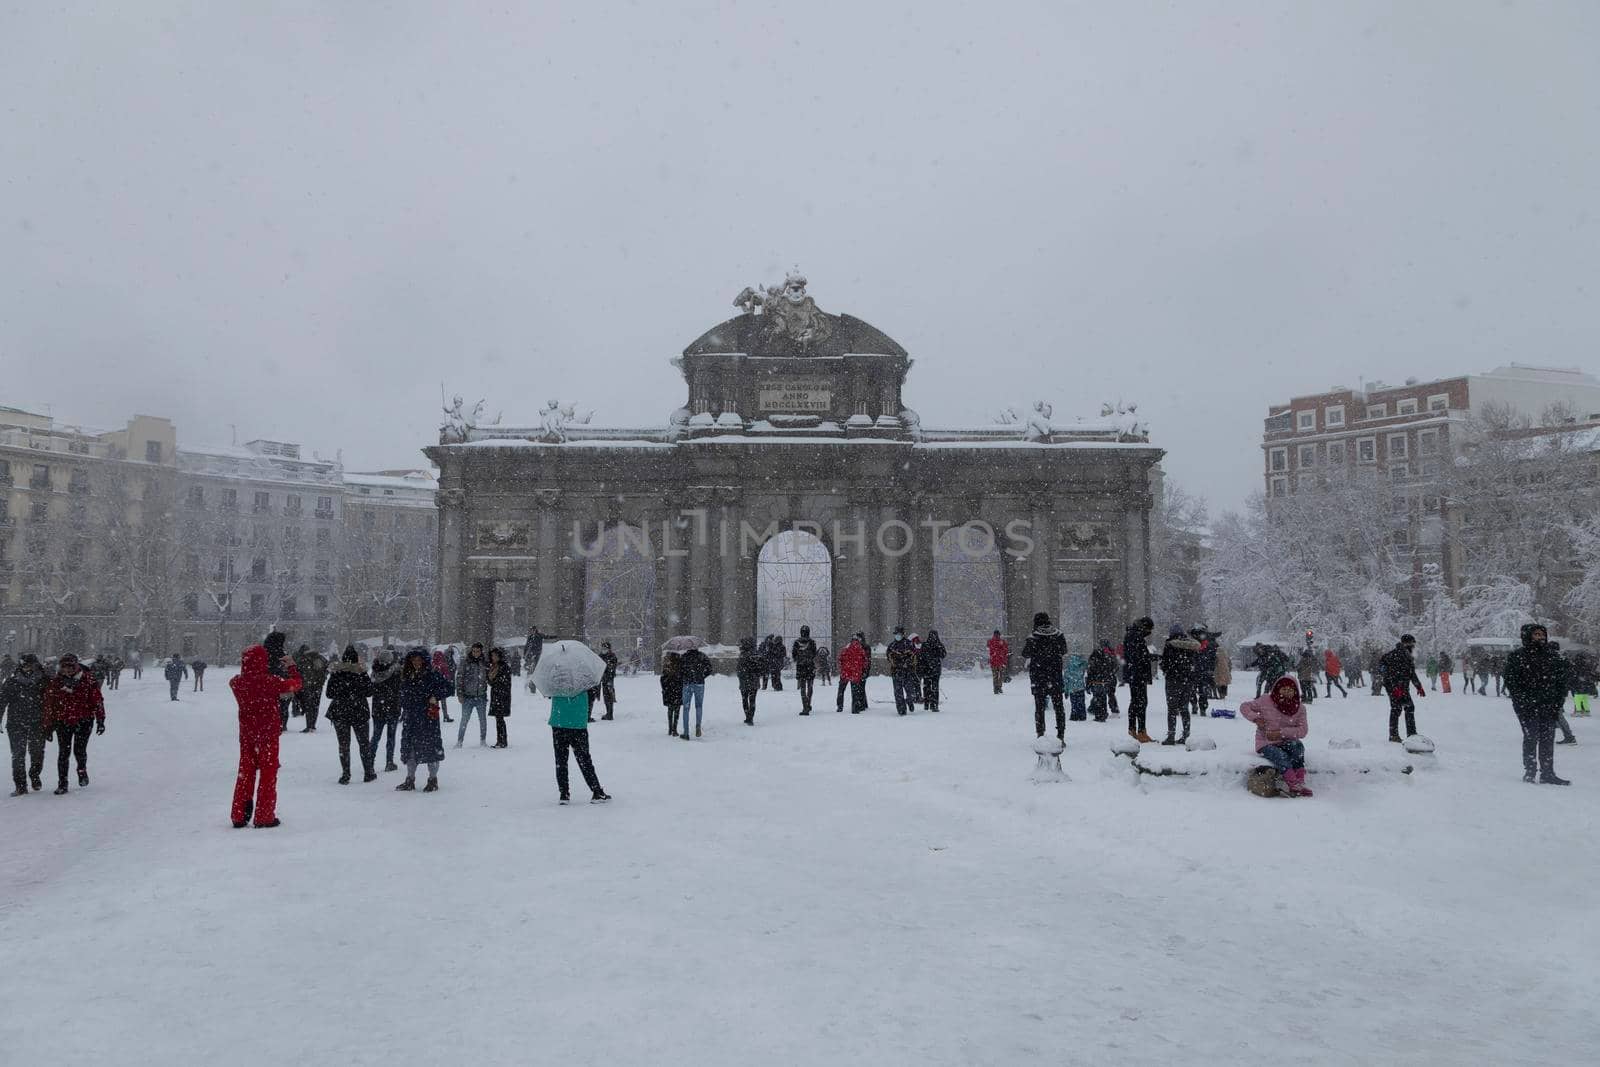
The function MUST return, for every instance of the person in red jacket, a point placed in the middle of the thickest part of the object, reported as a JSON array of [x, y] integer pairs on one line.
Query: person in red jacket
[[853, 660], [257, 691], [73, 708], [999, 659], [1333, 671]]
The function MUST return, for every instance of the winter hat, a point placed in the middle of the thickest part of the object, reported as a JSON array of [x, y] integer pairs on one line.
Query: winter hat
[[351, 655], [1407, 639], [28, 659], [805, 631], [1041, 618]]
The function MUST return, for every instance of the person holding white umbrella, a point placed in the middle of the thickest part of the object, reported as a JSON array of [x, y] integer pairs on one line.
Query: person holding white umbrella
[[567, 670]]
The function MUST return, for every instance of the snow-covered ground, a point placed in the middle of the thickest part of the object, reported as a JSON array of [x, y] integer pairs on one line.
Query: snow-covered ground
[[833, 889]]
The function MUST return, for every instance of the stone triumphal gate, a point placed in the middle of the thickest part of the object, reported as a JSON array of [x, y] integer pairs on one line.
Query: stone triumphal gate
[[794, 421]]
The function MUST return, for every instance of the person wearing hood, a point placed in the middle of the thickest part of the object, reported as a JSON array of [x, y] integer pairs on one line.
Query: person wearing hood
[[696, 668], [916, 677], [1179, 664], [313, 667], [902, 659], [825, 665], [260, 694], [74, 708], [607, 689], [197, 667], [930, 661], [499, 694], [1138, 670], [22, 708], [1101, 679], [385, 706], [349, 690], [804, 654], [422, 694], [444, 666], [1280, 719], [751, 664], [1333, 673], [472, 689], [176, 671], [853, 662], [1537, 679], [1398, 671], [672, 689], [1045, 651], [999, 660]]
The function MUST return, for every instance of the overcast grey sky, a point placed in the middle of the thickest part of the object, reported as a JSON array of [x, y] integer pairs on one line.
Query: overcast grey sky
[[300, 218]]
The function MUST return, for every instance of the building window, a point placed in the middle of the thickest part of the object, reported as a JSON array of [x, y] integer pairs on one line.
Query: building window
[[1396, 446], [1406, 407], [230, 500], [368, 520], [263, 503], [41, 477], [1399, 472], [1335, 453], [324, 507], [258, 569], [291, 504], [286, 607], [1402, 538], [1308, 456], [1430, 469], [191, 604], [258, 605], [5, 472], [1277, 460], [1333, 416], [1428, 443], [191, 564], [1377, 411], [196, 497], [320, 570], [39, 511], [1305, 421], [152, 451], [1367, 450], [78, 481], [324, 537], [1280, 487], [1439, 402], [320, 603], [78, 514]]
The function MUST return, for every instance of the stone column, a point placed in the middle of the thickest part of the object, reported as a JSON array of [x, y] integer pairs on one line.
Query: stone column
[[857, 569], [1016, 578], [546, 610], [702, 548], [674, 550], [732, 568], [1042, 561], [448, 624], [919, 565], [1136, 548], [890, 572]]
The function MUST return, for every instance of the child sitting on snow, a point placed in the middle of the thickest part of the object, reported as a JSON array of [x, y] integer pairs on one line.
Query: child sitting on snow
[[1280, 720]]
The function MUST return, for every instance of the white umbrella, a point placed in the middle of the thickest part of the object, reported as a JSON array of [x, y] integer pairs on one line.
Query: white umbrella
[[566, 668], [681, 643]]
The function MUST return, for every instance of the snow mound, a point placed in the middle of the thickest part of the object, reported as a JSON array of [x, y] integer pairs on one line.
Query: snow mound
[[1048, 768], [1163, 761], [1123, 745], [1419, 745], [1199, 744], [1050, 746]]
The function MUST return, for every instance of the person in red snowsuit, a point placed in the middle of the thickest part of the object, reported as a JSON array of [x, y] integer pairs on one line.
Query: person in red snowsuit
[[854, 660], [999, 661], [257, 690], [73, 709]]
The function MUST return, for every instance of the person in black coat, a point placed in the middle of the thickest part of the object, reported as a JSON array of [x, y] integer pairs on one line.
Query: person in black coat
[[22, 707], [1138, 670], [500, 674], [1397, 670], [1538, 678], [1046, 652], [348, 690], [902, 657], [804, 654], [775, 658], [278, 663], [607, 689], [385, 706], [930, 661], [751, 666], [1180, 659], [1101, 679], [672, 690]]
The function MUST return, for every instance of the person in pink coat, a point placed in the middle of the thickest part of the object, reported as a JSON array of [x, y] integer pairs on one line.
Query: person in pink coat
[[1280, 720]]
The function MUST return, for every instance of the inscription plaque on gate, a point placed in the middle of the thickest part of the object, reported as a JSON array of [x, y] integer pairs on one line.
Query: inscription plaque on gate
[[797, 396]]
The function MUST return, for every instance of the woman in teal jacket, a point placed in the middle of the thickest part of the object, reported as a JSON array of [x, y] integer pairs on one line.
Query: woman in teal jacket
[[1074, 679], [569, 729]]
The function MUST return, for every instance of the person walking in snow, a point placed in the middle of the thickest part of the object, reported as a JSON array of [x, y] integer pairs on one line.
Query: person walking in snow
[[1222, 676], [1271, 664], [500, 674], [444, 666], [569, 733], [1306, 670], [423, 691], [278, 665], [385, 705], [259, 694], [1101, 679], [22, 708], [775, 658], [1433, 671], [854, 660], [1446, 666], [606, 691], [1180, 662], [804, 654], [751, 664], [1585, 676], [999, 660], [902, 659], [1537, 678], [1138, 670], [73, 708], [672, 688], [1398, 673], [1075, 680], [349, 691], [1281, 727], [176, 671], [1333, 672], [197, 667], [472, 689], [696, 668], [1045, 652], [825, 665], [313, 667], [930, 662]]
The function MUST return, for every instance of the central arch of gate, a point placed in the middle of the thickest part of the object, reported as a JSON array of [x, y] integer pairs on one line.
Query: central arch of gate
[[794, 437]]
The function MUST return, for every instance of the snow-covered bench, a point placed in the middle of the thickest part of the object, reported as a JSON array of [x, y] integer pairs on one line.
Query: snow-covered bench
[[1165, 760]]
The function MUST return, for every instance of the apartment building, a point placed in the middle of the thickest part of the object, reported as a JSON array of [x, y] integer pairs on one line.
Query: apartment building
[[389, 562]]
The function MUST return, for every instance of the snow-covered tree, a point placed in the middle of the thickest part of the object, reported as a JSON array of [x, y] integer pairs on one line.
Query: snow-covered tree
[[1177, 538]]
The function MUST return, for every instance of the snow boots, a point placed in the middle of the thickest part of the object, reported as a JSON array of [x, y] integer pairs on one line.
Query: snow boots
[[1295, 781], [1551, 778], [1143, 738], [432, 786]]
